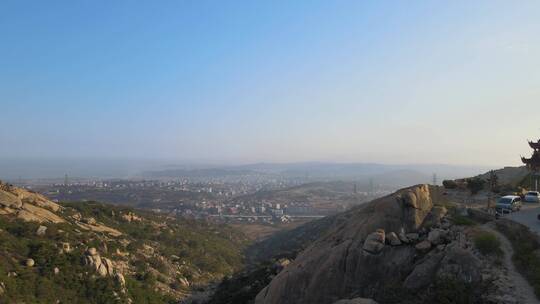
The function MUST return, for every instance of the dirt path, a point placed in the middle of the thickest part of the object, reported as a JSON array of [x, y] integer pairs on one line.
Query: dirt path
[[523, 289]]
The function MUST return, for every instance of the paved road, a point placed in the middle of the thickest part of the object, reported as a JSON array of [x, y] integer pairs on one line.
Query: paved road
[[527, 216]]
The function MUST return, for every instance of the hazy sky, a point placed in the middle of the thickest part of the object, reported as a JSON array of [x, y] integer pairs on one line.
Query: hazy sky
[[454, 82]]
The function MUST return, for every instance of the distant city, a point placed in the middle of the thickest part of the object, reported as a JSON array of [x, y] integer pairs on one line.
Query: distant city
[[252, 200]]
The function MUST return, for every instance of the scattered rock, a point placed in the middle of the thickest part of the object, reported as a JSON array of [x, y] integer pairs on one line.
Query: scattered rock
[[66, 247], [89, 220], [92, 251], [148, 249], [393, 239], [280, 264], [183, 282], [102, 270], [120, 279], [131, 217], [30, 262], [403, 238], [435, 236], [412, 236], [41, 230], [99, 228], [425, 245], [374, 242], [108, 265], [103, 266]]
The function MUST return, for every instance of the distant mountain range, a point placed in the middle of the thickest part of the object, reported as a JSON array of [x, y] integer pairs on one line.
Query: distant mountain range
[[387, 174], [381, 174]]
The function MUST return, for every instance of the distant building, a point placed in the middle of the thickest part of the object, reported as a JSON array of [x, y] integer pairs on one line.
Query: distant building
[[277, 212]]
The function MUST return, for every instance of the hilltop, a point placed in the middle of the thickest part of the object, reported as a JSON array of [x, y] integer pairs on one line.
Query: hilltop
[[92, 252]]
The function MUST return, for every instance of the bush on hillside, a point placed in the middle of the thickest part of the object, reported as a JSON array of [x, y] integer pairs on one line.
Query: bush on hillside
[[449, 184], [488, 244], [475, 184]]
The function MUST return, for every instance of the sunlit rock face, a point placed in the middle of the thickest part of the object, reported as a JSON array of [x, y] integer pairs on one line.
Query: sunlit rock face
[[353, 258]]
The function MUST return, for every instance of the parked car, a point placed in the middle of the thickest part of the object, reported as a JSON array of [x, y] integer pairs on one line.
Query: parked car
[[532, 197], [508, 203]]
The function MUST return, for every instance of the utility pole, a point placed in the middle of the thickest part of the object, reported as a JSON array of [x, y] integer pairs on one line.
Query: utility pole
[[434, 179], [66, 180]]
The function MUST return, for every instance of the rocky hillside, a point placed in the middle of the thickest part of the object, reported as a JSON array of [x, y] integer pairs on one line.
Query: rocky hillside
[[97, 253], [508, 175], [402, 248]]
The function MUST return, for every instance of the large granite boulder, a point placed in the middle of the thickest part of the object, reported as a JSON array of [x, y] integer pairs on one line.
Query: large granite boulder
[[341, 264], [374, 242]]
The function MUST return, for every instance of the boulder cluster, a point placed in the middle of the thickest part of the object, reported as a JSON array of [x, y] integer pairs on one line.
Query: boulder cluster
[[103, 266], [441, 252], [131, 217], [439, 234]]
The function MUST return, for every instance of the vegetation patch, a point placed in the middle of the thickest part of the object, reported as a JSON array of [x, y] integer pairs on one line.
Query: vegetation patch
[[160, 251], [450, 184], [475, 184], [452, 291], [526, 246], [462, 220], [488, 243]]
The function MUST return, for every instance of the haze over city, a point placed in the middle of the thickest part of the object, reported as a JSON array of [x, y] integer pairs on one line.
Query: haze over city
[[243, 82], [269, 152]]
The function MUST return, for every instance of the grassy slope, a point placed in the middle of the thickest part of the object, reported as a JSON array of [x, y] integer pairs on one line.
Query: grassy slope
[[207, 252]]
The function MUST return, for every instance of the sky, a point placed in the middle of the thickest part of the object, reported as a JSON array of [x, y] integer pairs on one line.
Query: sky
[[450, 82]]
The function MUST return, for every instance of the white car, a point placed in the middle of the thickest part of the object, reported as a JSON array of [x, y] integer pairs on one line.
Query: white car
[[508, 203], [532, 197]]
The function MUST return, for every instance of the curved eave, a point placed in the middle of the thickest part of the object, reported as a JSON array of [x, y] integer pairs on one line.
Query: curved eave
[[534, 145]]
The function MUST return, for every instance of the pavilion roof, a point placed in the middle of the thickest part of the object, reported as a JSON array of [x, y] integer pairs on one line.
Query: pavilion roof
[[533, 162], [535, 145]]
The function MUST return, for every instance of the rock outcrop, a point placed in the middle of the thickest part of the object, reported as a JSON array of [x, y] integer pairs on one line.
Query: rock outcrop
[[352, 255], [28, 206], [103, 266], [374, 242], [395, 240]]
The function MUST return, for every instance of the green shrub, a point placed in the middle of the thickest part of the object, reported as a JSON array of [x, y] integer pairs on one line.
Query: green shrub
[[475, 184], [462, 220], [488, 243], [451, 291], [449, 184]]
